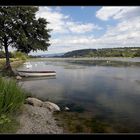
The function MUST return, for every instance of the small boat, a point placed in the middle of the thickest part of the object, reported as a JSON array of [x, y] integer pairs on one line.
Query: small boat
[[36, 73]]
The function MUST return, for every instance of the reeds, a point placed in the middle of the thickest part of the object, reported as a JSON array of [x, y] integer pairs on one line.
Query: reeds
[[11, 96]]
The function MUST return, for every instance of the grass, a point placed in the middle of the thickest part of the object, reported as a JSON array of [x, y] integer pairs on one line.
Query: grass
[[12, 98], [8, 124], [15, 62]]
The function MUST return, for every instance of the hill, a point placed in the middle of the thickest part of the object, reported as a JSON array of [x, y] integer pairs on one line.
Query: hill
[[105, 52]]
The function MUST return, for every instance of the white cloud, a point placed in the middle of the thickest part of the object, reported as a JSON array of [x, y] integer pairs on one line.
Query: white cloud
[[125, 33], [72, 40], [115, 12], [81, 28], [56, 19], [61, 23], [125, 27]]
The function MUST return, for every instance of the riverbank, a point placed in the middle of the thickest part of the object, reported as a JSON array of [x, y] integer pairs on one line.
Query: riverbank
[[24, 115], [124, 59], [38, 118], [17, 116], [15, 62], [20, 118], [11, 98]]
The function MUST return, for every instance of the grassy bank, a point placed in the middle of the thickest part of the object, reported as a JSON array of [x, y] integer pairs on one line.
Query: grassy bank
[[11, 100], [15, 62]]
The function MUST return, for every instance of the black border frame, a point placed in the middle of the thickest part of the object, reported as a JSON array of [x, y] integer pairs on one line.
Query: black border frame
[[71, 2]]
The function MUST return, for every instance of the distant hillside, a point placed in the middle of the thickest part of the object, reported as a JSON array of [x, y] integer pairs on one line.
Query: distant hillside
[[79, 53], [105, 52]]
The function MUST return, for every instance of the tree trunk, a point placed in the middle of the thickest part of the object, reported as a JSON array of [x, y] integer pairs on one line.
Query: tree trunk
[[7, 66], [7, 69]]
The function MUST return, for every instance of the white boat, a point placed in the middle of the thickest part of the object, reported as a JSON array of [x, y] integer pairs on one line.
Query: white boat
[[36, 73]]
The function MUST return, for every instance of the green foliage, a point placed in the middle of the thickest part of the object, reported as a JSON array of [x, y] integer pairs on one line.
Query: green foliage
[[20, 29], [4, 119], [8, 124], [19, 55], [2, 54], [106, 52], [11, 96], [11, 99]]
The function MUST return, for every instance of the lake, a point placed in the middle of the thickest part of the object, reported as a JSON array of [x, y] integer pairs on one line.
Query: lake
[[106, 88]]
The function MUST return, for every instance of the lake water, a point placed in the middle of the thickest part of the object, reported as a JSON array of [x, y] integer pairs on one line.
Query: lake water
[[104, 88]]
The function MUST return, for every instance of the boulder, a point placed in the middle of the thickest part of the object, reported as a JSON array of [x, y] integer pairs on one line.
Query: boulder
[[18, 77], [34, 102], [51, 106]]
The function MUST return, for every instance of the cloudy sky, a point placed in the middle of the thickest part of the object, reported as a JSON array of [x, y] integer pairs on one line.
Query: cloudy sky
[[83, 27]]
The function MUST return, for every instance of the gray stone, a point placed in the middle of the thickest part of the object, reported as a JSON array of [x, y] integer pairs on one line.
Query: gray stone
[[51, 106], [34, 102]]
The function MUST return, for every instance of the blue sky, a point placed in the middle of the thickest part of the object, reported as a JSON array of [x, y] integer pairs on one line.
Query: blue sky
[[83, 27]]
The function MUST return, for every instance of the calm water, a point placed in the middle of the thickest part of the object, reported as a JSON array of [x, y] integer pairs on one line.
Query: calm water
[[107, 89]]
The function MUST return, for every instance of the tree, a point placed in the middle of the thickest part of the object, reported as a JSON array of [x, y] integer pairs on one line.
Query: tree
[[19, 28]]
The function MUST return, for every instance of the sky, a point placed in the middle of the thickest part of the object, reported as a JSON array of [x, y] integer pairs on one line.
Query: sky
[[84, 27]]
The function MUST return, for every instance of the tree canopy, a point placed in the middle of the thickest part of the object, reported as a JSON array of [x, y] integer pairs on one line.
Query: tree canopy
[[22, 30]]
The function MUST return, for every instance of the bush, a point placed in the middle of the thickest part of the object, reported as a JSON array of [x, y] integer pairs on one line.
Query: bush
[[20, 55]]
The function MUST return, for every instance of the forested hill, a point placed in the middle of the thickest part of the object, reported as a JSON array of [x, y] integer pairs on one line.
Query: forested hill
[[106, 52]]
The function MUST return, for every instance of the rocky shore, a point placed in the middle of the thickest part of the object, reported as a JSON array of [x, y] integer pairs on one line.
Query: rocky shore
[[37, 118]]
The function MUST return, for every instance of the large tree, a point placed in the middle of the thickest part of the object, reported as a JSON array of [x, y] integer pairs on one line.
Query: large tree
[[19, 28]]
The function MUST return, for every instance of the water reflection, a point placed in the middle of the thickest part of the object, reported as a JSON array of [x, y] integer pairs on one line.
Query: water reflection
[[38, 78], [110, 92]]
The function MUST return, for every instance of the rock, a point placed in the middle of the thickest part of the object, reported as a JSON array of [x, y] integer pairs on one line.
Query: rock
[[18, 77], [66, 109], [34, 102], [51, 106]]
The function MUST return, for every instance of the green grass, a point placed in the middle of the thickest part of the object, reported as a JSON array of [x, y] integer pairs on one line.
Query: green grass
[[15, 62], [11, 95], [8, 124], [12, 98]]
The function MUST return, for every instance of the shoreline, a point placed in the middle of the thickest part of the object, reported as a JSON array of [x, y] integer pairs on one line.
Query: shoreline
[[38, 119], [123, 59]]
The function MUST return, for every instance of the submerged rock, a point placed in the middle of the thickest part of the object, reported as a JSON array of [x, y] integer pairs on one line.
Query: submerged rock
[[34, 102], [51, 106]]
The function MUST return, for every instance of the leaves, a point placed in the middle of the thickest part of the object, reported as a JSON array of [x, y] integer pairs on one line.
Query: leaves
[[22, 30]]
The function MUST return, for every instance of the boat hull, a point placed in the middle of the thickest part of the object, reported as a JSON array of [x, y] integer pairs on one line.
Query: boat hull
[[36, 74]]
